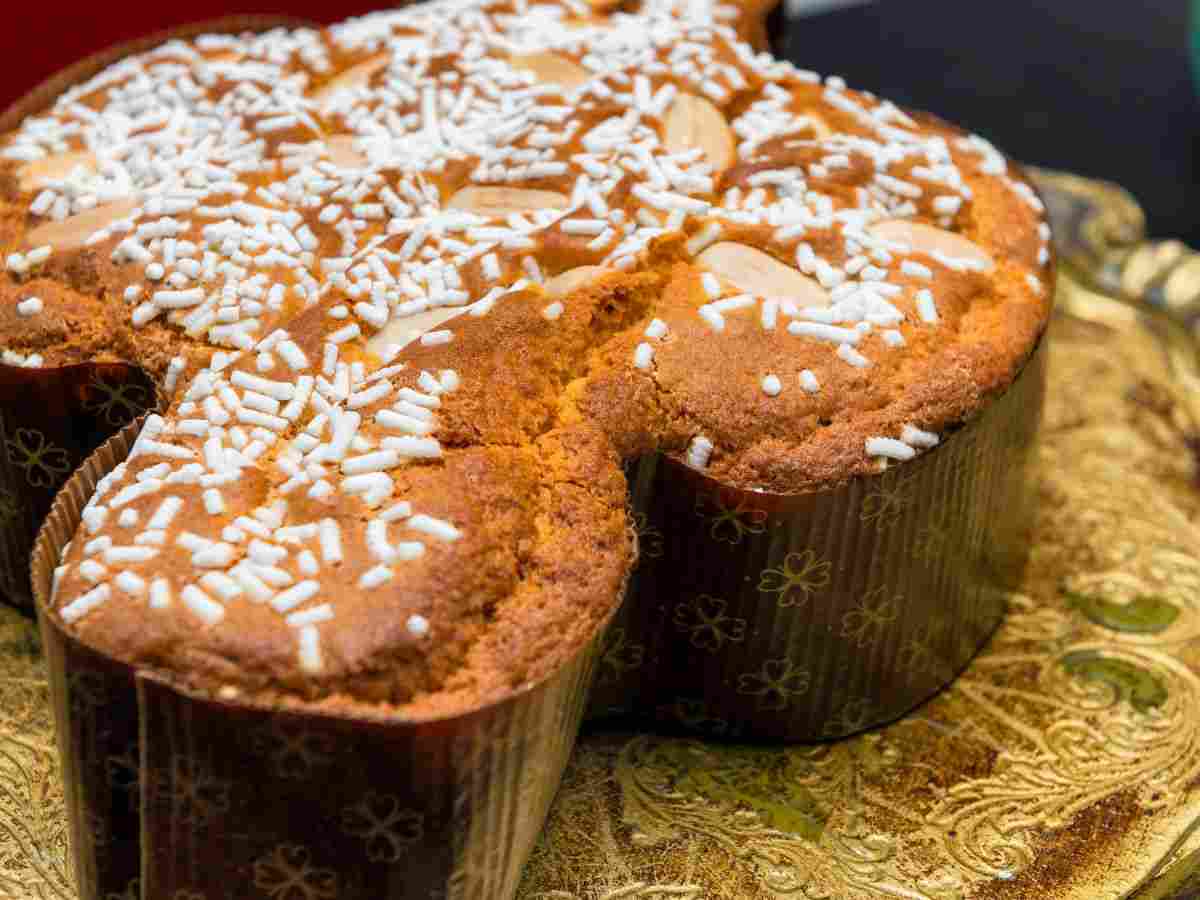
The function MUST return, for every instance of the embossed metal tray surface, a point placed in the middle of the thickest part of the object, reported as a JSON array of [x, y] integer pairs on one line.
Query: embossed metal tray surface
[[1065, 763]]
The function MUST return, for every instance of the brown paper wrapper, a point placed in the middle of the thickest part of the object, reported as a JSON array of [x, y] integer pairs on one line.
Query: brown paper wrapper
[[178, 795], [52, 418], [808, 616]]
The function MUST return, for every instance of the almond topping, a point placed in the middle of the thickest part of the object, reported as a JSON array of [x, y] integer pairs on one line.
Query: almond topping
[[74, 231], [403, 332], [819, 125], [503, 201], [694, 122], [568, 282], [37, 172], [755, 272], [929, 240], [355, 76], [552, 69], [342, 152]]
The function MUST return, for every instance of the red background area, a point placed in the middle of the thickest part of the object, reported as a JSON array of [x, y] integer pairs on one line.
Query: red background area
[[39, 38]]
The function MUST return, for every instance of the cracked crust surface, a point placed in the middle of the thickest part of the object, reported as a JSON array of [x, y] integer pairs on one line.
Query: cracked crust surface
[[471, 189]]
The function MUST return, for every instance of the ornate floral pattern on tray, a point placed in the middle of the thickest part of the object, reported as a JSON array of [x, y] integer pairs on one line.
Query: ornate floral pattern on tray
[[1065, 763]]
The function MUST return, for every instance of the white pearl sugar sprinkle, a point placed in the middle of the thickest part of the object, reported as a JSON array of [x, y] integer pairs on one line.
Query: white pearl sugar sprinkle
[[699, 452], [643, 356], [30, 307], [889, 448], [926, 307], [656, 330], [910, 434]]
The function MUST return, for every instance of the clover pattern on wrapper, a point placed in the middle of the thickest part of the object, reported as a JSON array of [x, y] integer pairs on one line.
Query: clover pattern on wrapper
[[620, 656], [704, 622], [796, 579], [731, 523], [288, 871], [117, 402], [52, 420], [385, 839], [295, 752], [865, 623], [44, 464]]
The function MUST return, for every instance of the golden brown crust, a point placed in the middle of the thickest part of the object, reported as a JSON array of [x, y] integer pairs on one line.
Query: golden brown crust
[[545, 552], [528, 401]]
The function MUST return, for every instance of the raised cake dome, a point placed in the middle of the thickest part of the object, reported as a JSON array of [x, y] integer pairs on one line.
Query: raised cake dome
[[423, 280]]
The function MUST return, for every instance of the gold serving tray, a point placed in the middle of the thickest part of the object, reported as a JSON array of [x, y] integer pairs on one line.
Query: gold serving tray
[[1065, 763]]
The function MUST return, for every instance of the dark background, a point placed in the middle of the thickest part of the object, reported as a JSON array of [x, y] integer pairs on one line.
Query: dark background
[[1101, 87]]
